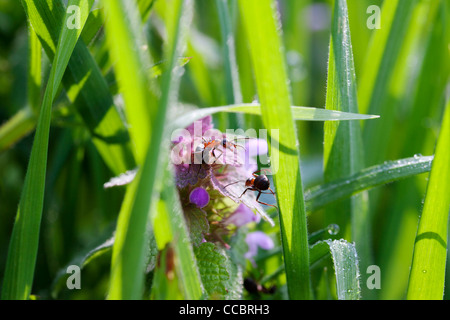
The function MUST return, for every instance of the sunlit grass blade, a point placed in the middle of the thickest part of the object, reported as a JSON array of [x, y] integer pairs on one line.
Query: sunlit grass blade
[[322, 195], [262, 29], [85, 86], [346, 268], [24, 121], [430, 250], [178, 15], [343, 148], [123, 31], [298, 113], [35, 70], [131, 240], [23, 247], [17, 127]]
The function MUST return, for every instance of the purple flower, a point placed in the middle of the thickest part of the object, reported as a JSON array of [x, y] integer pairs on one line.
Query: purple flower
[[257, 239], [242, 216], [199, 197]]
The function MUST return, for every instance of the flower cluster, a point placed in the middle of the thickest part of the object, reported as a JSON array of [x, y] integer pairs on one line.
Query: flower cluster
[[210, 177]]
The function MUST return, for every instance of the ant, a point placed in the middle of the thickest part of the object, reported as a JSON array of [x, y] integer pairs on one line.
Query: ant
[[258, 183], [210, 146]]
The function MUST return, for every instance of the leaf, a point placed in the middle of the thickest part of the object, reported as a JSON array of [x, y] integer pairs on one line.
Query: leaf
[[23, 247], [212, 269], [143, 192], [101, 246], [430, 249], [262, 27], [346, 268], [298, 113], [343, 148], [322, 195], [197, 223]]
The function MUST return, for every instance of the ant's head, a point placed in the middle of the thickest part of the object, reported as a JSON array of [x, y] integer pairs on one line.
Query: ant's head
[[249, 182]]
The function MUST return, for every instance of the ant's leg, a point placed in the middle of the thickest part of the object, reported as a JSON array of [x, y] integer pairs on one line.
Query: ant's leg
[[257, 200], [251, 189], [216, 157], [244, 192]]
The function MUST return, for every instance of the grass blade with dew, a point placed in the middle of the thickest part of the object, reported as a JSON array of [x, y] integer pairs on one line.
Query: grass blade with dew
[[343, 148], [23, 247], [430, 250], [346, 268], [320, 196], [262, 27]]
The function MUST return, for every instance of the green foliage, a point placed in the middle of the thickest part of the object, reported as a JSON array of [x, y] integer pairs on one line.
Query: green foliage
[[358, 122]]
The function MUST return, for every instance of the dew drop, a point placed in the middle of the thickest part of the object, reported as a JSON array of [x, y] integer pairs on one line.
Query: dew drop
[[333, 229], [424, 271]]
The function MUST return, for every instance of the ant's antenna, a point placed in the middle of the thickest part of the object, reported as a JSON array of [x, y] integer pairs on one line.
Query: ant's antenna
[[234, 183]]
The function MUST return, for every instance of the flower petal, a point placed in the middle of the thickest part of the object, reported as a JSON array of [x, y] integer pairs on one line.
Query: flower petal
[[242, 216], [257, 239], [199, 197]]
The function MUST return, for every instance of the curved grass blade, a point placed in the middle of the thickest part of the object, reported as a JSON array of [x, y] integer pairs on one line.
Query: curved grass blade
[[25, 236], [427, 275], [320, 196], [262, 29], [298, 113]]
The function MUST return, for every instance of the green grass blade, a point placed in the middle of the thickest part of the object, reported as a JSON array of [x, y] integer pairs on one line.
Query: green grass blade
[[129, 248], [178, 16], [124, 35], [322, 195], [123, 31], [343, 148], [262, 29], [25, 237], [298, 113], [346, 268], [35, 70], [85, 86], [430, 250], [17, 127]]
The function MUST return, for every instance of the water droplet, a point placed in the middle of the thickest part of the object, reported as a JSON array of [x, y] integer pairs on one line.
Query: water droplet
[[424, 271], [333, 229], [417, 156]]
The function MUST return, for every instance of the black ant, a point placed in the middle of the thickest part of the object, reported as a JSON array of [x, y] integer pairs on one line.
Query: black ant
[[258, 183]]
